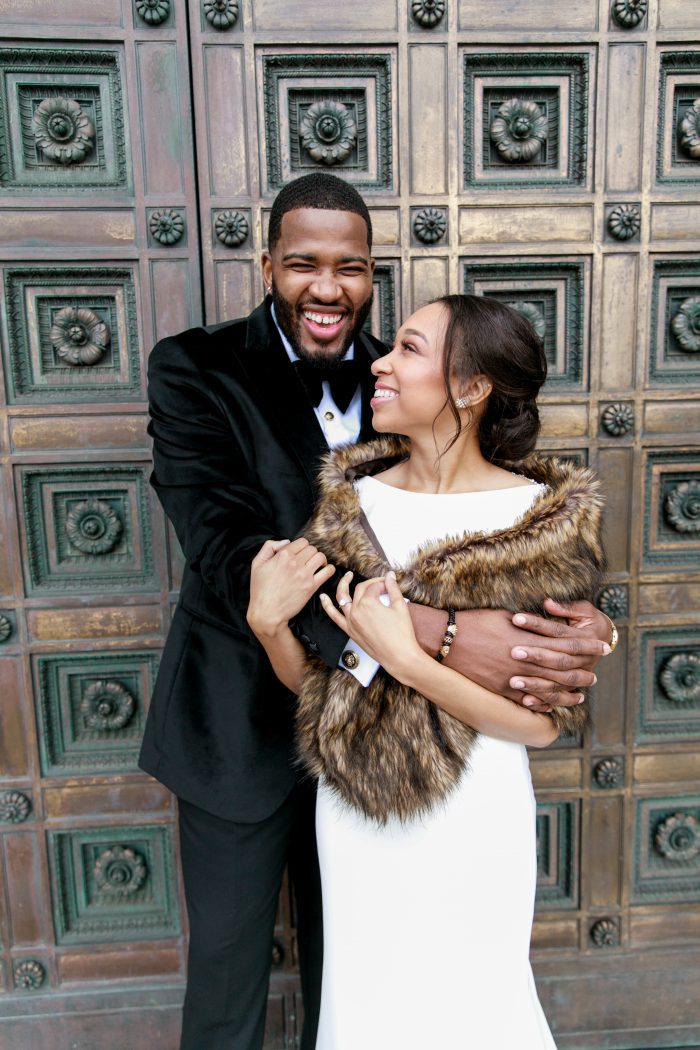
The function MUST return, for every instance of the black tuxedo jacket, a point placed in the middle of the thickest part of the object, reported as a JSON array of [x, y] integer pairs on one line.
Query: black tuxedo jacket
[[236, 448]]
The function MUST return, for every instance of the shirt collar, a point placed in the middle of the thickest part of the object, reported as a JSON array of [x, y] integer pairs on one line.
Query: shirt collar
[[291, 354]]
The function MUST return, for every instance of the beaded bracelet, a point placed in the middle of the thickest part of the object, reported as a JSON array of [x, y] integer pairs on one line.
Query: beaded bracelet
[[450, 632]]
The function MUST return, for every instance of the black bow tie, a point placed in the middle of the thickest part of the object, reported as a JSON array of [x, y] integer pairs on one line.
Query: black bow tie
[[343, 378]]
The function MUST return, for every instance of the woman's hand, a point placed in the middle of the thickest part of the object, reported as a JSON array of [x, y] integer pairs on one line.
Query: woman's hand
[[376, 617], [284, 574]]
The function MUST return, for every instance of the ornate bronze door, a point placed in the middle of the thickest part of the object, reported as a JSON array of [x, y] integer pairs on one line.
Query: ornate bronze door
[[554, 167]]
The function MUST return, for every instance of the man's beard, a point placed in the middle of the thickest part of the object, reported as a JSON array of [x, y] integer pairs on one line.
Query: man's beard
[[290, 323]]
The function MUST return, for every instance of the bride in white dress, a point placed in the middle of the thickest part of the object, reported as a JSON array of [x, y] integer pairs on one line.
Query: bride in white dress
[[427, 917]]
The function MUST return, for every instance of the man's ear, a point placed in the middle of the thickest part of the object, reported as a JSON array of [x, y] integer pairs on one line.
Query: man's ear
[[266, 265], [476, 390]]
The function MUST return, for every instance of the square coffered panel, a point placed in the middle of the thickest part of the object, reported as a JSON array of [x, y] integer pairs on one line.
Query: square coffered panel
[[672, 510], [674, 353], [329, 111], [678, 146], [667, 853], [526, 118], [669, 698]]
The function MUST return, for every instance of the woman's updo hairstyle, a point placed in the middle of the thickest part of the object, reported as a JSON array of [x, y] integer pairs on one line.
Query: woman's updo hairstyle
[[487, 337]]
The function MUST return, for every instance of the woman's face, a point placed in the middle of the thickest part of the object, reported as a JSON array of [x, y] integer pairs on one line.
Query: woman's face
[[410, 388]]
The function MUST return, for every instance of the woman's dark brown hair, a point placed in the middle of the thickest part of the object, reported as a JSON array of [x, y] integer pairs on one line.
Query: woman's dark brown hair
[[487, 337]]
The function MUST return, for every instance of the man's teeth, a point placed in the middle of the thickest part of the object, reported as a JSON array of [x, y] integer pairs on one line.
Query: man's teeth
[[384, 394], [327, 319]]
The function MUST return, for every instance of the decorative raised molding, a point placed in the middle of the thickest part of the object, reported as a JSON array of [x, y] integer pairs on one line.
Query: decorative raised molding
[[605, 933], [518, 130], [428, 13], [79, 336], [610, 772], [628, 13], [624, 221], [29, 975], [685, 324], [557, 833], [119, 872], [533, 314], [15, 807], [93, 527], [618, 419], [682, 507], [153, 12], [689, 130], [62, 130], [328, 132], [166, 225], [679, 678], [5, 628], [678, 837], [613, 601], [221, 14], [430, 224], [107, 706], [231, 228]]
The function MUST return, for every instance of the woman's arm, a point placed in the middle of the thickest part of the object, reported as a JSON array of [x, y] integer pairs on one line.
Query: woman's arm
[[283, 576], [386, 633]]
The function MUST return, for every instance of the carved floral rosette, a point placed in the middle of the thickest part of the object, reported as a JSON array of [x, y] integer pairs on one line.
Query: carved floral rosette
[[428, 13], [680, 678], [153, 12], [62, 131], [106, 706], [167, 226], [328, 132], [221, 14], [609, 772], [93, 527], [685, 324], [682, 507], [605, 933], [79, 336], [624, 221], [231, 228], [429, 225], [628, 13], [119, 872], [612, 600], [5, 628], [29, 975], [689, 130], [533, 314], [678, 837], [15, 807], [618, 419], [519, 130]]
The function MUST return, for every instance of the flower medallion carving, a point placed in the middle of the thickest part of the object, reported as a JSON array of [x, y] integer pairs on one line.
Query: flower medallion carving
[[685, 324], [79, 336], [689, 130], [680, 678], [119, 872], [5, 628], [153, 12], [682, 507], [533, 314], [612, 601], [93, 527], [678, 837], [62, 130], [221, 14], [618, 419], [628, 13], [15, 807], [231, 228], [624, 221], [429, 225], [428, 13], [328, 132], [29, 975], [167, 226], [609, 772], [107, 706], [519, 130], [605, 933]]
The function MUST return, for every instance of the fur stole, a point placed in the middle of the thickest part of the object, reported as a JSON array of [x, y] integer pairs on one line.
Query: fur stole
[[389, 751]]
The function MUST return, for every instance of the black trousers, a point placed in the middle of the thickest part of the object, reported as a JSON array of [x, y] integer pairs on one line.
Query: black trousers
[[232, 874]]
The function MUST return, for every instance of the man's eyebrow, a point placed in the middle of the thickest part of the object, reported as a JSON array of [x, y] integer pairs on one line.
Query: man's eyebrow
[[414, 331]]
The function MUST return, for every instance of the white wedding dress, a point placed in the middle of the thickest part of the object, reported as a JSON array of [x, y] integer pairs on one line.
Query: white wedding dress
[[427, 923]]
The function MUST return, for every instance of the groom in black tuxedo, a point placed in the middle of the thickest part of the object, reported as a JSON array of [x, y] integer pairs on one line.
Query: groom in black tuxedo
[[241, 413]]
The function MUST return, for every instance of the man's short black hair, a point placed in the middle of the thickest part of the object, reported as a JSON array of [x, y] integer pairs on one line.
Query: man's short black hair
[[318, 189]]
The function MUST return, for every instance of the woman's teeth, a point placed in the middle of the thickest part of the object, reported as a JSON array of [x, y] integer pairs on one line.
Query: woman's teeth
[[384, 394]]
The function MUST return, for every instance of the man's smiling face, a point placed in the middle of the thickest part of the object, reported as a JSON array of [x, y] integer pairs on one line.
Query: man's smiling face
[[320, 274]]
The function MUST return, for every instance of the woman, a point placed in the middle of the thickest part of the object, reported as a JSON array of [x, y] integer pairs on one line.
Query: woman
[[425, 812]]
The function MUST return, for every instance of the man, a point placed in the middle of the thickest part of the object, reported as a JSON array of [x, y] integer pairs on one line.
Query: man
[[241, 414]]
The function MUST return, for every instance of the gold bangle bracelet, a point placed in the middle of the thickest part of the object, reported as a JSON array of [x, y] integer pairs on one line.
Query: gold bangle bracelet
[[614, 634]]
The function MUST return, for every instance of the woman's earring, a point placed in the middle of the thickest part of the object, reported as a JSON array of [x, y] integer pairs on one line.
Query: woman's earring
[[461, 402]]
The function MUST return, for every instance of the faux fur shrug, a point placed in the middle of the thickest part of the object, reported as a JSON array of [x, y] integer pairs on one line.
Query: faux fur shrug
[[387, 750]]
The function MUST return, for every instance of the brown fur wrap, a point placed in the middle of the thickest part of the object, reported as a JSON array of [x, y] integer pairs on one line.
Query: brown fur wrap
[[387, 750]]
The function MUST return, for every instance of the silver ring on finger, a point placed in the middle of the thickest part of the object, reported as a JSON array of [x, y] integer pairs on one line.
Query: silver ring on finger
[[344, 601]]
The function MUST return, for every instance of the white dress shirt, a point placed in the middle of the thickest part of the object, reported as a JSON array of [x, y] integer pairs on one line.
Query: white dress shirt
[[339, 428]]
